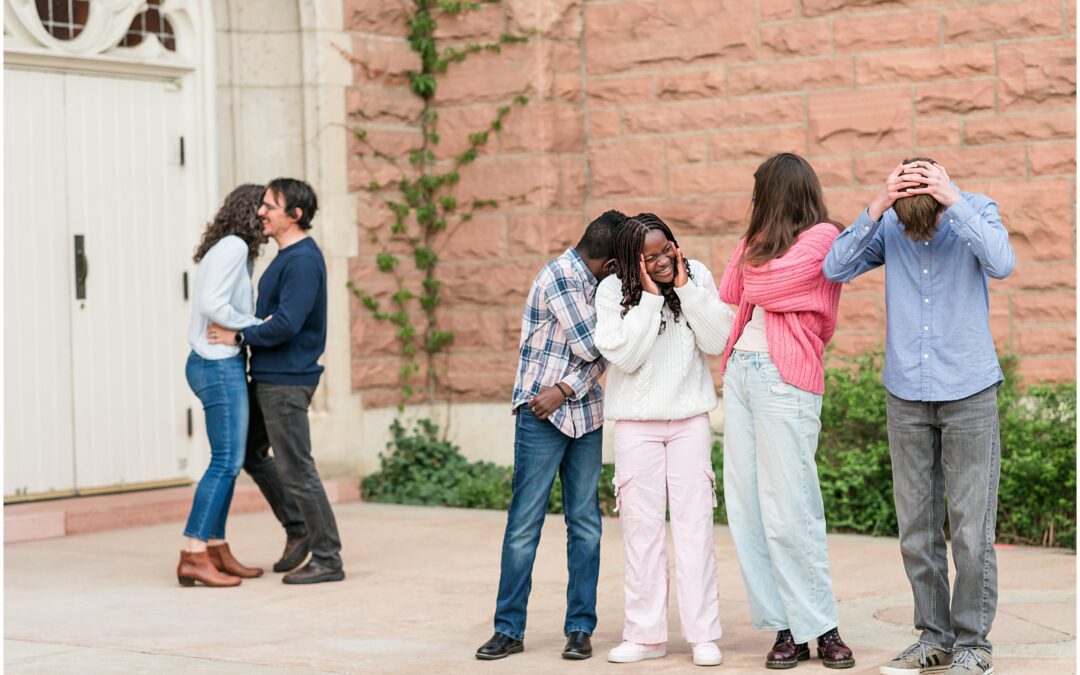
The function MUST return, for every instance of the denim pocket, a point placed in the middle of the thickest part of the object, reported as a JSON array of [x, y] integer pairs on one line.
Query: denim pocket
[[711, 475], [772, 378], [620, 483]]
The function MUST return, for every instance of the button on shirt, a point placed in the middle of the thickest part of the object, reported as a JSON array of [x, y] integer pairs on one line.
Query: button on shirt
[[938, 345], [557, 344]]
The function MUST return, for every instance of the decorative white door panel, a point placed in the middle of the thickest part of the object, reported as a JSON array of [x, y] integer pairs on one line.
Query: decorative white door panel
[[39, 451], [97, 242], [126, 199]]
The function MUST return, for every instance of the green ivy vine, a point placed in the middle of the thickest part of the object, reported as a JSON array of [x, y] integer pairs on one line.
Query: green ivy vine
[[420, 200]]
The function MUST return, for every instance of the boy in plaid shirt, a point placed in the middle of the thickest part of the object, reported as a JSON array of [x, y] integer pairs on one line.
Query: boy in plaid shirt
[[559, 428]]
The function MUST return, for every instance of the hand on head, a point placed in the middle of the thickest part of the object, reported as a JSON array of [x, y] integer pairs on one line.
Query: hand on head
[[681, 273], [914, 178]]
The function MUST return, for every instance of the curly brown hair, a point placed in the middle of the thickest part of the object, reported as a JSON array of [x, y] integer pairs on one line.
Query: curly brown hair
[[629, 239], [239, 215]]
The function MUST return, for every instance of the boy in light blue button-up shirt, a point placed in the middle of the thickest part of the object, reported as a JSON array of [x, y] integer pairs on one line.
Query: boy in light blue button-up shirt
[[940, 247]]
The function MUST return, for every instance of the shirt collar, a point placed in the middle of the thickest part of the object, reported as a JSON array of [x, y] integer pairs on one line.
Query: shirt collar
[[580, 267]]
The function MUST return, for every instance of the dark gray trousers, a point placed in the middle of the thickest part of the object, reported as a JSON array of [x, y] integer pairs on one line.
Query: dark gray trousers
[[954, 447], [289, 479]]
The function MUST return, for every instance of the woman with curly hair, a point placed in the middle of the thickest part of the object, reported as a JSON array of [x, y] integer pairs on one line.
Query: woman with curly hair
[[773, 385], [216, 373], [657, 318]]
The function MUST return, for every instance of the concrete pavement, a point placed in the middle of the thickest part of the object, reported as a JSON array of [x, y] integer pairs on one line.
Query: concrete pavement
[[419, 595]]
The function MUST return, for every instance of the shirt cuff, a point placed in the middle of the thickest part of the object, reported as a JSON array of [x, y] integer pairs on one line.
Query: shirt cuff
[[959, 215]]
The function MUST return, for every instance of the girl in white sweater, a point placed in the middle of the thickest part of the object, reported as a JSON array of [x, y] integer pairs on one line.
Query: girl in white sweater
[[657, 317]]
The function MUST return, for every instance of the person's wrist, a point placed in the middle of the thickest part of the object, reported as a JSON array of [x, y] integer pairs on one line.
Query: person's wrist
[[562, 387]]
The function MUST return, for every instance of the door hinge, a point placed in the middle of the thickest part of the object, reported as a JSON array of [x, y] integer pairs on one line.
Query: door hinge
[[185, 286], [181, 151], [190, 424]]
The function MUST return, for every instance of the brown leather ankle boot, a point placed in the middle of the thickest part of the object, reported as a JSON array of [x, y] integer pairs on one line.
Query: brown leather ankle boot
[[197, 567], [223, 559]]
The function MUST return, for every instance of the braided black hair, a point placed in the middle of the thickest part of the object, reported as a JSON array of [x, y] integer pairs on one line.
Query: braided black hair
[[629, 240]]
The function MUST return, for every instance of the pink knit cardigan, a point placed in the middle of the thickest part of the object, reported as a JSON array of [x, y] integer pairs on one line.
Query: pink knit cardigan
[[800, 306]]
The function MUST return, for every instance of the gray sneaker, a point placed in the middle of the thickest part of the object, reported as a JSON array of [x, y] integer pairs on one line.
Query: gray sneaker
[[971, 662], [918, 658]]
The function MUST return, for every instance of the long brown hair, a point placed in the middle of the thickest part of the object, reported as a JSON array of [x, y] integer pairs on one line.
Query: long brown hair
[[628, 242], [787, 201], [918, 213], [239, 215]]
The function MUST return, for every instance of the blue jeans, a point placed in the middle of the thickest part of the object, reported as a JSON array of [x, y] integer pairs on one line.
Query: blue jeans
[[773, 498], [221, 385], [541, 451]]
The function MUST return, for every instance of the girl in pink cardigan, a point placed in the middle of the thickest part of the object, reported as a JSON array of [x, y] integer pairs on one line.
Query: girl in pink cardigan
[[773, 382]]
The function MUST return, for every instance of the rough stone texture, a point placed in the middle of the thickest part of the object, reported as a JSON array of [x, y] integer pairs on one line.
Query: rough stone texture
[[669, 106]]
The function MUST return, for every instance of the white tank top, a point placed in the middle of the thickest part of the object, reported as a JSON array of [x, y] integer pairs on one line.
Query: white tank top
[[753, 336]]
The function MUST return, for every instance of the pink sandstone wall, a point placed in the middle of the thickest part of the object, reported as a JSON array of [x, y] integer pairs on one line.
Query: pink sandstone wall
[[669, 105]]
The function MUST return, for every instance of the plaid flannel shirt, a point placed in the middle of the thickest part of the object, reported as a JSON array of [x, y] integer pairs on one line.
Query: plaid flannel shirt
[[557, 344]]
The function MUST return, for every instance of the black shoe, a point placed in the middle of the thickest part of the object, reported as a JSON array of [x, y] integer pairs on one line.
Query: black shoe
[[313, 573], [785, 652], [293, 555], [499, 646], [578, 646]]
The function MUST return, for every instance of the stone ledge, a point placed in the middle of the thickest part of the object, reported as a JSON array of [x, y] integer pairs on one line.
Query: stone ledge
[[82, 515]]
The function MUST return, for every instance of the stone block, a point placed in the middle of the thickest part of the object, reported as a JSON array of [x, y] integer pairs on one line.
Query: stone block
[[687, 149], [387, 105], [685, 86], [1059, 307], [1030, 275], [711, 179], [486, 76], [376, 16], [778, 10], [604, 123], [544, 127], [1046, 340], [377, 372], [627, 167], [1052, 158], [878, 32], [566, 56], [790, 76], [795, 39], [1037, 78], [935, 132], [1036, 214], [482, 237], [383, 60], [558, 19], [960, 163], [627, 35], [480, 25], [855, 343], [955, 98], [543, 234], [750, 111], [833, 171], [487, 284], [1036, 370], [1003, 21], [959, 63], [371, 337], [457, 123], [861, 312], [860, 121], [568, 87], [475, 331], [264, 16], [481, 377], [757, 144], [620, 90], [512, 180], [1036, 126], [267, 60], [573, 182]]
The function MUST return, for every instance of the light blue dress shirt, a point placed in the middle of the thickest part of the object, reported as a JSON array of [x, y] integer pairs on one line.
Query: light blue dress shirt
[[938, 345]]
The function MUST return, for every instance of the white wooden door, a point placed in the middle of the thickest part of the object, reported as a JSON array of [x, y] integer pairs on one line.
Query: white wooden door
[[39, 450], [96, 160]]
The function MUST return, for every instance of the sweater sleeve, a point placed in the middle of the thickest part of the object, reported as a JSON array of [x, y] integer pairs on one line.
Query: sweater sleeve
[[731, 284], [787, 283], [626, 341], [223, 268], [709, 318], [300, 281]]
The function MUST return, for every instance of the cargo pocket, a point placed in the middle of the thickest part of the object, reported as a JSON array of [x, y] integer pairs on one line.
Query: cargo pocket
[[620, 483], [712, 482]]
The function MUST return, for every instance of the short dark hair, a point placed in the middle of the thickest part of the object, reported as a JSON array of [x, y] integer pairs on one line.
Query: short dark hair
[[597, 242], [297, 195]]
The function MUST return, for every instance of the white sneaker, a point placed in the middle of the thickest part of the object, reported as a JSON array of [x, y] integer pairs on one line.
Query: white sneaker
[[632, 652], [707, 654]]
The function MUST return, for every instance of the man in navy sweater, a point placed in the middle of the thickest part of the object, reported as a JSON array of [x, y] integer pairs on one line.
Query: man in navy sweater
[[285, 371]]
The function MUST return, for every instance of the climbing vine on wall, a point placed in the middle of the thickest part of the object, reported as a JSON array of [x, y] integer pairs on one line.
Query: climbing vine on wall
[[422, 202]]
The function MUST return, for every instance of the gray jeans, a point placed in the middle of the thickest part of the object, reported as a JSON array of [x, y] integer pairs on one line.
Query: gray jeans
[[954, 446], [284, 410]]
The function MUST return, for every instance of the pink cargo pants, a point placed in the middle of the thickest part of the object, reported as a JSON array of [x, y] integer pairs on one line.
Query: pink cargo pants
[[662, 464]]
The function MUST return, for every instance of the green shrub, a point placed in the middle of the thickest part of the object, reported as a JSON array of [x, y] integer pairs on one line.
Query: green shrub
[[1037, 495]]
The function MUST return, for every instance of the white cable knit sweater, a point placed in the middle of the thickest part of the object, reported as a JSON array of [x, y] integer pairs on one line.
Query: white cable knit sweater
[[661, 376]]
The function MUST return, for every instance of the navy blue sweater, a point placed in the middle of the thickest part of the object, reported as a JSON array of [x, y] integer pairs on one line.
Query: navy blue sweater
[[292, 292]]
